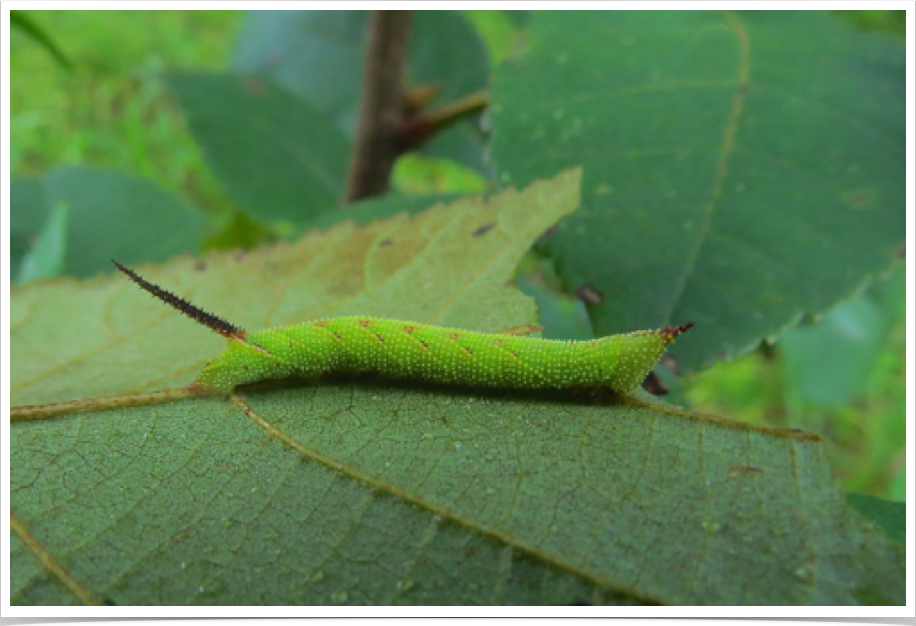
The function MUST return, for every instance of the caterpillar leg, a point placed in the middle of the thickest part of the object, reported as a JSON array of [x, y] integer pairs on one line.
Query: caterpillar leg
[[525, 329]]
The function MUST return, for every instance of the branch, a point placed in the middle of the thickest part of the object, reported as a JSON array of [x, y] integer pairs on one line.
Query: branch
[[376, 147]]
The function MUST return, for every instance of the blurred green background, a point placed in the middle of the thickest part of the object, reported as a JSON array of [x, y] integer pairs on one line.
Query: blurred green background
[[841, 376]]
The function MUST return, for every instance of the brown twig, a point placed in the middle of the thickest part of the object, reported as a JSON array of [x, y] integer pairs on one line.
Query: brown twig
[[376, 146], [415, 131]]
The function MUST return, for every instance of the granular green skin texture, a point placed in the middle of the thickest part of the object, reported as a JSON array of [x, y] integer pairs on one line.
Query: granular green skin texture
[[398, 349]]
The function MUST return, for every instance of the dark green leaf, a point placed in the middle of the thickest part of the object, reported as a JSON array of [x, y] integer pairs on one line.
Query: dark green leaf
[[46, 257], [830, 362], [278, 156], [111, 214], [28, 213], [740, 169], [890, 516]]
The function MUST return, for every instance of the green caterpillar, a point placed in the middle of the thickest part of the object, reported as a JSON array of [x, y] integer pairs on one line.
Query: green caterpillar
[[430, 353]]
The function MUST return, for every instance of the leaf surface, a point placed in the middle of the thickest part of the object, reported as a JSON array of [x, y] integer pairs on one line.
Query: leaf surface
[[740, 169], [109, 214], [278, 156], [371, 492]]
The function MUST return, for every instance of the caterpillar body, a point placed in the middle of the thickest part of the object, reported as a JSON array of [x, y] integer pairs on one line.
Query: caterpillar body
[[402, 349]]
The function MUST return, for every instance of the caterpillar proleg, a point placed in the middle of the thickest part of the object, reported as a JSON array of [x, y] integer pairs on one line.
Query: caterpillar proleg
[[402, 349]]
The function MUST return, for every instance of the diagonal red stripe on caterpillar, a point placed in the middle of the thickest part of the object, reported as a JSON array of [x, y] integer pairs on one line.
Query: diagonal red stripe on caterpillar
[[404, 349]]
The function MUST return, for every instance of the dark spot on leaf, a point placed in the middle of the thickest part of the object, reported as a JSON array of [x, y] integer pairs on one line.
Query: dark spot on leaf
[[254, 87], [653, 384], [200, 266], [385, 243], [239, 255], [483, 230], [670, 362], [589, 294], [742, 89], [245, 367], [902, 253], [744, 470], [109, 602]]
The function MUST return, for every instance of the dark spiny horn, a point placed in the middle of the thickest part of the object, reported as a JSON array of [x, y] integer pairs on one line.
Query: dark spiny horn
[[209, 320]]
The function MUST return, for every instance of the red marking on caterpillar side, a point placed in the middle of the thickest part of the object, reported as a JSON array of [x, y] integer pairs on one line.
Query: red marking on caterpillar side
[[409, 329], [365, 323], [380, 338], [424, 344], [468, 350], [454, 336], [320, 323], [524, 329], [512, 354]]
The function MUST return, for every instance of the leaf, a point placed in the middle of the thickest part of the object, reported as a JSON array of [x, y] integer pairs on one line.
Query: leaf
[[367, 492], [23, 22], [46, 257], [28, 215], [740, 169], [318, 55], [277, 155], [830, 362], [110, 214], [890, 516]]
